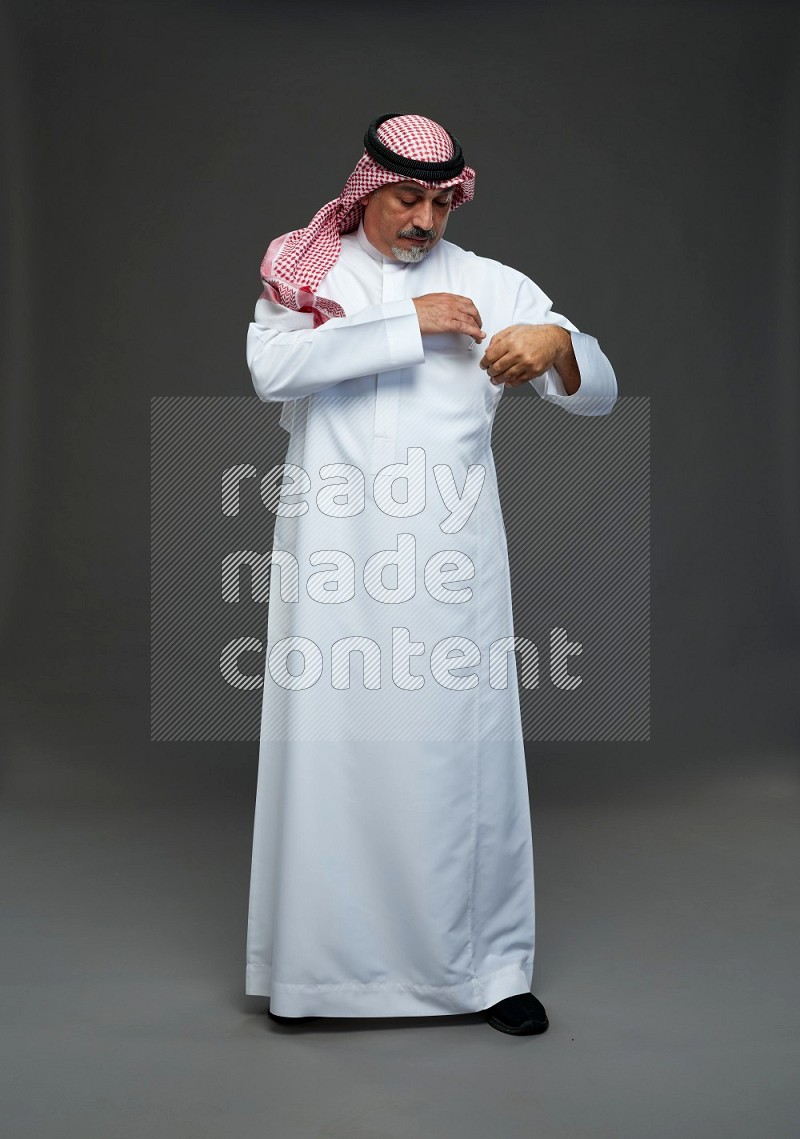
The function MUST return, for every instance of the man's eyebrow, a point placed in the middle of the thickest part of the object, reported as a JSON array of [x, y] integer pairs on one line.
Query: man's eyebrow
[[419, 189]]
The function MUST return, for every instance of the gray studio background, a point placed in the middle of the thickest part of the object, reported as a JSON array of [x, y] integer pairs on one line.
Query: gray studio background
[[640, 163]]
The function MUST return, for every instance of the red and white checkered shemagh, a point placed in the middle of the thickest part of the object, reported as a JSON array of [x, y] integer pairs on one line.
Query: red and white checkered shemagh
[[296, 262]]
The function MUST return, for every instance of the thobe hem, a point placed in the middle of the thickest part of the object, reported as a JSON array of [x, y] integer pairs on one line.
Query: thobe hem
[[380, 998]]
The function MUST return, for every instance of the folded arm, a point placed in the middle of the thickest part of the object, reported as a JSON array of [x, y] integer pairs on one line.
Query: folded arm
[[288, 358], [597, 392]]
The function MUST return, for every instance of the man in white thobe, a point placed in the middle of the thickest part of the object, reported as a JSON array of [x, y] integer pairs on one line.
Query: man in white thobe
[[392, 868]]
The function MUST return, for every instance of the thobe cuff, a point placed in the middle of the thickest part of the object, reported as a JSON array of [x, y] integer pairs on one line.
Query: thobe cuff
[[598, 390], [403, 333]]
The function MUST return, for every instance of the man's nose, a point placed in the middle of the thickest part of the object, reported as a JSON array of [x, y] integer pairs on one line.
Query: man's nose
[[423, 216]]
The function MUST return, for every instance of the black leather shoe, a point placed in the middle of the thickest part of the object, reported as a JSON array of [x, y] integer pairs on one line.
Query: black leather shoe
[[521, 1015], [290, 1019]]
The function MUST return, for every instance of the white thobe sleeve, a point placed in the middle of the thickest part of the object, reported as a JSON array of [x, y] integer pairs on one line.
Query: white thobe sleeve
[[597, 393], [288, 358]]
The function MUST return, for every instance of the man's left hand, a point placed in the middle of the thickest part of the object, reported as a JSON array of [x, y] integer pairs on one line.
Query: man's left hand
[[522, 352]]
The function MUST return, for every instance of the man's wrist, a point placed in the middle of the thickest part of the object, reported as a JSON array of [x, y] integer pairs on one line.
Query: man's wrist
[[566, 364], [563, 345]]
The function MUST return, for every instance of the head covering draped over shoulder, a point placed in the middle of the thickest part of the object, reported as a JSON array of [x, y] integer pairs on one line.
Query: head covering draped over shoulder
[[397, 148]]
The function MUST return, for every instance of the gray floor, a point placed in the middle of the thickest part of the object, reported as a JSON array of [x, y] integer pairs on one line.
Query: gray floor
[[666, 955]]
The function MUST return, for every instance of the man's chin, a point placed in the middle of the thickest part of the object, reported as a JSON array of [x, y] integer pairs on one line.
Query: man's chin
[[411, 253]]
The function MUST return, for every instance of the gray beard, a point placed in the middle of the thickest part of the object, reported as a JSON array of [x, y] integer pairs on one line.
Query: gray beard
[[413, 253]]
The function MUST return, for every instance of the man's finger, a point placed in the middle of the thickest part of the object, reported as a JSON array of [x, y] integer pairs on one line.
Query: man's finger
[[495, 350], [491, 355], [497, 370], [469, 312], [515, 376]]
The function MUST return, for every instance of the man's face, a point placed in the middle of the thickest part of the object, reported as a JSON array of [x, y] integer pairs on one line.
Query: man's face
[[399, 213]]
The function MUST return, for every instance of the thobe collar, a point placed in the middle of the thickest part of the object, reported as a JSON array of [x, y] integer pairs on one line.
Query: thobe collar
[[375, 254]]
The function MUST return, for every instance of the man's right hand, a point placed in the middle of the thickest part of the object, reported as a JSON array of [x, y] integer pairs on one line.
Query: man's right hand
[[447, 312]]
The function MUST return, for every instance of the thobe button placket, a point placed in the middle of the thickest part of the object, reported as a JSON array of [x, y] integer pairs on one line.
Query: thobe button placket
[[387, 391]]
